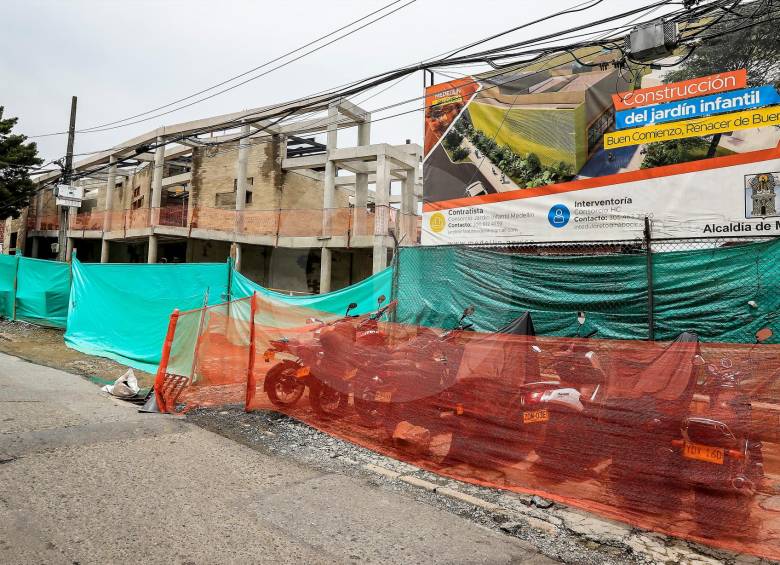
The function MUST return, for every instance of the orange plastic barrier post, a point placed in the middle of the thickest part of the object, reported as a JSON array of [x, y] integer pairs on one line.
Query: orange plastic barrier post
[[163, 367], [250, 369]]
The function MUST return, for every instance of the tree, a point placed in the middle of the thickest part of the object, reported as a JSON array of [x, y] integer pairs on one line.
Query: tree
[[673, 152], [756, 49], [16, 157], [452, 140]]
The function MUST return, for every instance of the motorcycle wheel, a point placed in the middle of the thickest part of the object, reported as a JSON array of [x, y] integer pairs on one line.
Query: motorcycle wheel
[[327, 402], [281, 385], [710, 506], [372, 414]]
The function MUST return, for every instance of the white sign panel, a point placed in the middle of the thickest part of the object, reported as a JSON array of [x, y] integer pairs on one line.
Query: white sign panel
[[737, 195], [70, 192], [68, 202]]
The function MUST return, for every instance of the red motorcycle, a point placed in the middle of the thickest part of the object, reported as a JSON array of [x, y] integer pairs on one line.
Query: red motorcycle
[[719, 457], [323, 361]]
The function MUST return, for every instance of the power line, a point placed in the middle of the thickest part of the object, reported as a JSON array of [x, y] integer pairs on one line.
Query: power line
[[357, 87], [119, 123]]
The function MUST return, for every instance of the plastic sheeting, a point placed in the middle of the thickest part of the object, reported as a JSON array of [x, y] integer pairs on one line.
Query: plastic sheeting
[[8, 266], [675, 436], [42, 292], [121, 311], [723, 294], [364, 294]]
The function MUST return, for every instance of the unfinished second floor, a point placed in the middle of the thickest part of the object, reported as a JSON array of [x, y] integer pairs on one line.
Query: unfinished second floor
[[288, 185]]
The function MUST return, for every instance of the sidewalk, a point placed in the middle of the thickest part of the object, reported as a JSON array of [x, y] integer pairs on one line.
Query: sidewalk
[[86, 479]]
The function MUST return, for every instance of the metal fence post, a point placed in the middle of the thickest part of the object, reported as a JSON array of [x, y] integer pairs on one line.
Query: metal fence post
[[650, 288], [250, 368], [162, 369]]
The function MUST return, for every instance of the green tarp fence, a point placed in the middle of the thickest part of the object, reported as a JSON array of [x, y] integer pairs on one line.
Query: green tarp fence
[[42, 292], [121, 311], [34, 290], [8, 266], [722, 294], [364, 294]]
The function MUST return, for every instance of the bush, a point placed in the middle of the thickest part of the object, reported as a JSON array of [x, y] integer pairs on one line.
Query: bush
[[452, 140], [460, 153]]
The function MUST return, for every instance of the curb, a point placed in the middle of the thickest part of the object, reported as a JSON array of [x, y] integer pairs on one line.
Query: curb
[[517, 514]]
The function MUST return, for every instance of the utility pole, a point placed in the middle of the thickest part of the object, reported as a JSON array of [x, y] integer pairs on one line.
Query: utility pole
[[62, 236]]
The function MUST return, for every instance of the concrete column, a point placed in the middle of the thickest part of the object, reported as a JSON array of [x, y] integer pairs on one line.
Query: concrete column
[[328, 197], [151, 256], [382, 205], [38, 209], [326, 267], [241, 177], [110, 188], [361, 182], [408, 209], [237, 255], [157, 176], [69, 249]]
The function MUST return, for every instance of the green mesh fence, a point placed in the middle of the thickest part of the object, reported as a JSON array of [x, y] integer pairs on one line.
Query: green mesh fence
[[722, 290]]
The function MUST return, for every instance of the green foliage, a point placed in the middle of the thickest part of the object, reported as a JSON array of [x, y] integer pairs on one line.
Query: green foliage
[[452, 140], [756, 49], [673, 152], [460, 153], [16, 157], [526, 170]]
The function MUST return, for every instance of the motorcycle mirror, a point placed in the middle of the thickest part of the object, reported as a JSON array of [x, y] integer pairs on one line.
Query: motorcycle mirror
[[381, 299], [469, 311], [352, 306], [763, 334], [580, 317]]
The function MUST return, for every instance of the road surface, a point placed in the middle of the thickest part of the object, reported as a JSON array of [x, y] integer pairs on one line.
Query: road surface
[[86, 479]]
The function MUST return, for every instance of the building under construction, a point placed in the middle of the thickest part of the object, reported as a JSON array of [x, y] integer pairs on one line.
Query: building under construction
[[296, 211]]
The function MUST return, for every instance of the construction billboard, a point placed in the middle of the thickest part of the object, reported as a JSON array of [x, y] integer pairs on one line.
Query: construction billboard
[[574, 153]]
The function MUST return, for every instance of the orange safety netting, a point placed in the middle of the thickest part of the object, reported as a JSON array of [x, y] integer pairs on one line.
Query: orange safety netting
[[678, 437]]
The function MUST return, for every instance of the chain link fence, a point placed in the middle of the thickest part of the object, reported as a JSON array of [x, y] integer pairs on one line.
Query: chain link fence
[[724, 289]]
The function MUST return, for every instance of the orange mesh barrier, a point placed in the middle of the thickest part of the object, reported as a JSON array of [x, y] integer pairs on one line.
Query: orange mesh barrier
[[258, 222], [678, 437], [87, 221]]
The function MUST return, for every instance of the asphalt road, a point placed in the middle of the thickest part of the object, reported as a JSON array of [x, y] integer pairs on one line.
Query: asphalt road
[[86, 479]]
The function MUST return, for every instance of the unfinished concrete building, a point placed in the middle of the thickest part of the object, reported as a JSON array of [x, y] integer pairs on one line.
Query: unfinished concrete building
[[296, 211]]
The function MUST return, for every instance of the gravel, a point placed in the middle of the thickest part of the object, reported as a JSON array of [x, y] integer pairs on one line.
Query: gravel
[[523, 516]]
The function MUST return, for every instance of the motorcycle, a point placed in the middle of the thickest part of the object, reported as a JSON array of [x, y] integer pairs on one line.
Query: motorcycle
[[638, 419], [287, 380], [562, 412], [323, 362], [466, 398], [720, 459], [418, 368]]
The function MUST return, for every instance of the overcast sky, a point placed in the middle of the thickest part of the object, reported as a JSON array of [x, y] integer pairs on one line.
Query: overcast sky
[[122, 58]]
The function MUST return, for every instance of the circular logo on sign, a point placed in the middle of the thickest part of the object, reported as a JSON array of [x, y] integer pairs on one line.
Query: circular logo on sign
[[438, 222], [559, 216]]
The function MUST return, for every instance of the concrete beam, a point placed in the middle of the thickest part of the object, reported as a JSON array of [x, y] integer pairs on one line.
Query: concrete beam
[[183, 178]]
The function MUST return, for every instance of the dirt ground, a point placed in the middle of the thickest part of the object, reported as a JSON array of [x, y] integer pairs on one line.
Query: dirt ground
[[45, 346]]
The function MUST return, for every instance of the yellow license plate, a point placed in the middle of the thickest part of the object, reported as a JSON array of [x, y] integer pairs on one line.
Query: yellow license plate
[[383, 396], [536, 416], [703, 453]]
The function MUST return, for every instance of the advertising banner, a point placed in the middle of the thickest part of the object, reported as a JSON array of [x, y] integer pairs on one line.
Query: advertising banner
[[571, 153], [708, 105], [699, 86]]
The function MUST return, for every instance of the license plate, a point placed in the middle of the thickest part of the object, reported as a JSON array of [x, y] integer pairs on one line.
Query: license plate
[[536, 416], [383, 396], [703, 453]]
